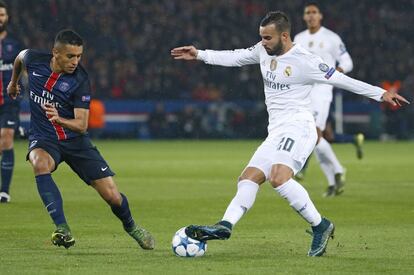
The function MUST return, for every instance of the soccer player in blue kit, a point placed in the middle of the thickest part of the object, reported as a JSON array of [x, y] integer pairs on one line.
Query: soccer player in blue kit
[[9, 109], [59, 93]]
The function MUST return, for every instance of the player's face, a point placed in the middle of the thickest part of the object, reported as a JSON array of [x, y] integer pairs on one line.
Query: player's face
[[312, 16], [67, 57], [4, 19], [272, 40]]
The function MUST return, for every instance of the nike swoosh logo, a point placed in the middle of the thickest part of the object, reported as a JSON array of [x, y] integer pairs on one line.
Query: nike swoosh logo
[[35, 74], [104, 169], [10, 122]]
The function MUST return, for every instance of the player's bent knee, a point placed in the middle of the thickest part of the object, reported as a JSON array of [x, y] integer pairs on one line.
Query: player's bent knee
[[40, 167], [41, 164], [253, 174], [278, 180]]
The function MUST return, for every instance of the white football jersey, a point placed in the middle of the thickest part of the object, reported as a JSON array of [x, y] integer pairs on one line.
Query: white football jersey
[[288, 78], [329, 46]]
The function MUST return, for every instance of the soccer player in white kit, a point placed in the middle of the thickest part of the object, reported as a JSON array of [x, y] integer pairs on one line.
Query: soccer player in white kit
[[329, 46], [289, 72]]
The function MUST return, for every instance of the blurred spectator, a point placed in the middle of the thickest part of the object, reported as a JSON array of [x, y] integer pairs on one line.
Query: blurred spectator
[[127, 45], [96, 121], [128, 42], [396, 121], [158, 124], [189, 122]]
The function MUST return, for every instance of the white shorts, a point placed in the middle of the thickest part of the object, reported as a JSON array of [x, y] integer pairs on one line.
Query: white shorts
[[321, 104], [320, 111], [290, 144]]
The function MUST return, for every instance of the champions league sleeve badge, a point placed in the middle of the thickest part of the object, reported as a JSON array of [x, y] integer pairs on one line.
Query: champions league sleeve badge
[[323, 67]]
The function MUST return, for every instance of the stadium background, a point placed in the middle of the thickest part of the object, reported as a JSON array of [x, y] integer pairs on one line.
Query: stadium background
[[149, 95]]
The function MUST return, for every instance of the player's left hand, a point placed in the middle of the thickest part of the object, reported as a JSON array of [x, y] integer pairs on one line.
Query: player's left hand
[[393, 98], [51, 112]]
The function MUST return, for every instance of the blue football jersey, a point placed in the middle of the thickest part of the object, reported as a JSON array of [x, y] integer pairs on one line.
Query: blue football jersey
[[9, 49], [64, 91]]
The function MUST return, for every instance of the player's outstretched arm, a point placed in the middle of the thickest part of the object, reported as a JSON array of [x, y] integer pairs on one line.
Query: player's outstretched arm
[[227, 58], [317, 71], [13, 89], [185, 53]]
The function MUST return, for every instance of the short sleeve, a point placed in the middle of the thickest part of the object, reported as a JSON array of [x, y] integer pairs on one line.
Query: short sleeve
[[27, 56], [82, 95]]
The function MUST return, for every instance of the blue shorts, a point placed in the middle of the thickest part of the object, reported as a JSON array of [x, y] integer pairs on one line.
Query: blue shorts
[[9, 116], [79, 153]]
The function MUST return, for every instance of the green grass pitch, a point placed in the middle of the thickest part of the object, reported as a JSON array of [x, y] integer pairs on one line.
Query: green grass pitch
[[173, 184]]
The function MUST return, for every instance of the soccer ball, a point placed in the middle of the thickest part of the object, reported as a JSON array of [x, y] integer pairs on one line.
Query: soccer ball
[[184, 246]]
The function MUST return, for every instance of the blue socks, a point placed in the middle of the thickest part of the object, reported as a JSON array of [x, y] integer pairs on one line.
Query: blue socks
[[124, 214], [51, 198], [54, 205], [7, 165]]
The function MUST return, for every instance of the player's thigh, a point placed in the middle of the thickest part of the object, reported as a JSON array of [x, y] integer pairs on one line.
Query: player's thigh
[[85, 159], [292, 145], [44, 156], [259, 167], [41, 161], [320, 110]]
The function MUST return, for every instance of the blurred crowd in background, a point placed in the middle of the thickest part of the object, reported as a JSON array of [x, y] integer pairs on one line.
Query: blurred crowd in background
[[128, 45]]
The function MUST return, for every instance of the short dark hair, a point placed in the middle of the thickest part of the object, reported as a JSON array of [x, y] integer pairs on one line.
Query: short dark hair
[[280, 19], [70, 37], [3, 4], [313, 3]]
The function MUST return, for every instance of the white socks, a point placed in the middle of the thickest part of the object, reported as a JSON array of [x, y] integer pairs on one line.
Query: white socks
[[328, 171], [299, 200], [329, 163], [242, 202]]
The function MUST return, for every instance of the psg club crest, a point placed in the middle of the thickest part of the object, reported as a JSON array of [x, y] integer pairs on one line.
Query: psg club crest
[[64, 86], [9, 48], [273, 65]]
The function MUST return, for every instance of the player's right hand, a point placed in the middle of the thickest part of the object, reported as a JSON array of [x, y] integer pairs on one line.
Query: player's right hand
[[393, 98], [13, 90], [186, 53]]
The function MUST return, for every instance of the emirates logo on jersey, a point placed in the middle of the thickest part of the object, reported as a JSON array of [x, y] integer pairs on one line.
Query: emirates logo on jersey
[[273, 65]]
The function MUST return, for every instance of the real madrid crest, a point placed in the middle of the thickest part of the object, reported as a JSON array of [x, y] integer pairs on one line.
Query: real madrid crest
[[321, 45], [288, 71], [273, 65]]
